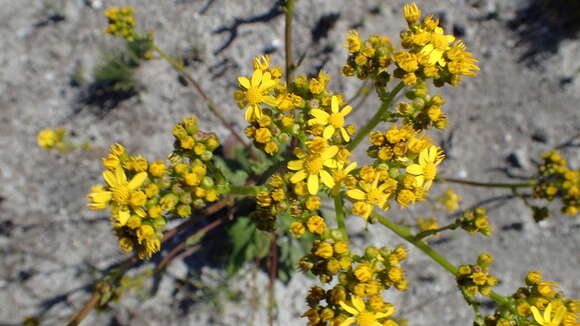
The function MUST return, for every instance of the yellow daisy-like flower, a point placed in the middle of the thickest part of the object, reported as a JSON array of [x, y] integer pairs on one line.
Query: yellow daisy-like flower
[[438, 44], [332, 121], [119, 192], [373, 194], [361, 316], [312, 167], [546, 319], [426, 170], [255, 93]]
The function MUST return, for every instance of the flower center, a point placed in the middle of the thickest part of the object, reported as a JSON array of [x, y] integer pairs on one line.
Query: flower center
[[313, 165], [254, 96], [336, 120], [429, 171], [366, 318], [121, 195], [374, 196]]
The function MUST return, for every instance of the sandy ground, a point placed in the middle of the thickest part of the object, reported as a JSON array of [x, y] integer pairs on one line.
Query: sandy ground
[[52, 247]]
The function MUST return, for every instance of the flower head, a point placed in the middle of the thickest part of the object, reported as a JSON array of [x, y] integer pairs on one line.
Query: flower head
[[361, 316], [313, 165], [546, 319], [332, 121], [256, 92], [426, 171]]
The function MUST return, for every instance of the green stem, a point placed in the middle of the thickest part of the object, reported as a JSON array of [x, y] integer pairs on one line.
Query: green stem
[[339, 207], [178, 65], [426, 233], [377, 118], [288, 40], [425, 248], [488, 184]]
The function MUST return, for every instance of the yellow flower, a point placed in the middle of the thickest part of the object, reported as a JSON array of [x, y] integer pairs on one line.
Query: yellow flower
[[119, 192], [361, 316], [411, 13], [256, 93], [438, 44], [332, 121], [546, 319], [372, 194], [426, 170], [312, 166]]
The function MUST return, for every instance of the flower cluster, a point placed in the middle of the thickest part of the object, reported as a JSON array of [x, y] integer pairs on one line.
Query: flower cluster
[[448, 201], [121, 22], [424, 110], [537, 303], [361, 282], [52, 138], [131, 192], [427, 224], [369, 59], [476, 278], [140, 194], [475, 221], [430, 53], [557, 180]]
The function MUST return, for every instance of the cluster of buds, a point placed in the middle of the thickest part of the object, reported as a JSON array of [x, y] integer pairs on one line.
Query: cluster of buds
[[473, 279], [141, 194], [557, 180], [427, 224], [368, 59], [121, 22], [424, 110], [475, 221], [537, 303], [359, 278]]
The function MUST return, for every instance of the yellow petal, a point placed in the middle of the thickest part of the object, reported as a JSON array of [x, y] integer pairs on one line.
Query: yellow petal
[[110, 179], [415, 169], [326, 179], [351, 167], [329, 152], [249, 114], [334, 104], [346, 110], [296, 165], [427, 184], [120, 176], [298, 176], [348, 309], [312, 184], [548, 313], [256, 78], [358, 303], [269, 100], [320, 115], [101, 197], [344, 134], [356, 194], [328, 132], [537, 316], [244, 82], [137, 180]]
